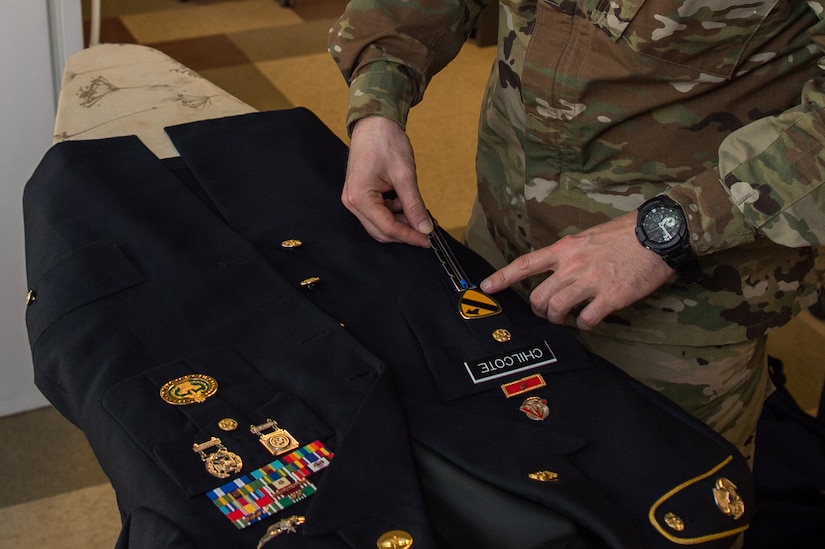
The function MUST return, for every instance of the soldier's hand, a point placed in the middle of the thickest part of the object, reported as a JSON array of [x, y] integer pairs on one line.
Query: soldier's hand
[[605, 266], [381, 187]]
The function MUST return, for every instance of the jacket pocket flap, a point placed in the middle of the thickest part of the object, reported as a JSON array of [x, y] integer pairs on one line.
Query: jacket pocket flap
[[92, 272], [231, 389], [466, 357]]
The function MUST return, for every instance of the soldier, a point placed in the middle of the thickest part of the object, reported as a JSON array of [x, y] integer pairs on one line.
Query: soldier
[[648, 172]]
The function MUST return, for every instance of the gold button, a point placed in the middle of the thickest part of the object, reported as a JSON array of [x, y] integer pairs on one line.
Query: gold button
[[311, 282], [291, 244], [502, 335], [395, 539], [674, 522], [544, 476], [228, 424], [30, 298]]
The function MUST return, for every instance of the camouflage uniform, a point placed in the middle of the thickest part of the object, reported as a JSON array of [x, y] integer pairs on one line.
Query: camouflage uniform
[[594, 106]]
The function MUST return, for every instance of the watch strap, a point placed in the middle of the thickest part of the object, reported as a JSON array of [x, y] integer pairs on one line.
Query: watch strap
[[680, 257]]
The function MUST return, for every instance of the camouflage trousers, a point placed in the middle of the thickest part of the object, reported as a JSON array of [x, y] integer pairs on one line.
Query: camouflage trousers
[[724, 386]]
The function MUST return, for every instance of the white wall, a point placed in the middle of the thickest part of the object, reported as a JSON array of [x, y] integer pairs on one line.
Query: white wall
[[33, 33]]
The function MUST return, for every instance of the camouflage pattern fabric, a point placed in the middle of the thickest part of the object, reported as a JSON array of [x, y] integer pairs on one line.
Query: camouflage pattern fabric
[[594, 106], [722, 385]]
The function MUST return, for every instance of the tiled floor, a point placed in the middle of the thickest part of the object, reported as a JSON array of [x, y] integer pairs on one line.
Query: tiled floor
[[224, 40]]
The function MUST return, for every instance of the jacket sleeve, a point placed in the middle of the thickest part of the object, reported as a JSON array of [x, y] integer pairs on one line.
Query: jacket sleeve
[[389, 49], [770, 180]]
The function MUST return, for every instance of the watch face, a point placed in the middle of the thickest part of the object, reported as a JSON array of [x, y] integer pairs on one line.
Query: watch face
[[662, 224]]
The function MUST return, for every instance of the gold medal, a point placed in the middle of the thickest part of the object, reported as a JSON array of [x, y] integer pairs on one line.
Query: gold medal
[[189, 389], [277, 442], [222, 463]]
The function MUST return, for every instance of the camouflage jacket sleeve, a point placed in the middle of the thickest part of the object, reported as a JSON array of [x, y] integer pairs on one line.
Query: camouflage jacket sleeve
[[771, 176], [389, 49]]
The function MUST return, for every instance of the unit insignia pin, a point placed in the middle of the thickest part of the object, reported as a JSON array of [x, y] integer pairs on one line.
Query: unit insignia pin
[[535, 408], [189, 389], [222, 463], [472, 303], [278, 442], [728, 499]]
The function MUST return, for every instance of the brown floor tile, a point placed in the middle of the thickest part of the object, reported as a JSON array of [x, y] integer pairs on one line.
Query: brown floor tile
[[250, 86], [285, 41], [194, 21], [114, 8], [112, 31], [310, 10], [206, 52], [43, 455]]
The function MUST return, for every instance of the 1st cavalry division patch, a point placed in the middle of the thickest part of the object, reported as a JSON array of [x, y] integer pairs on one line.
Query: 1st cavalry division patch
[[475, 304], [472, 303]]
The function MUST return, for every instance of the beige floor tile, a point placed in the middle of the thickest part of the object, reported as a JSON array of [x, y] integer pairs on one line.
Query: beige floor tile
[[311, 81], [204, 20], [43, 455], [77, 520]]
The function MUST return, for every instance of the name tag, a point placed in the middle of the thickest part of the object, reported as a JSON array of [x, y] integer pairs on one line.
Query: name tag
[[512, 362]]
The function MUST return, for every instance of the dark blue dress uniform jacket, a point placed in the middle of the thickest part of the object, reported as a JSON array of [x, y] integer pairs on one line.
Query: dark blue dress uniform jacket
[[145, 270]]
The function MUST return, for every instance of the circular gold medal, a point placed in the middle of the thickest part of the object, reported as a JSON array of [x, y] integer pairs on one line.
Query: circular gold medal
[[223, 463], [189, 389]]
